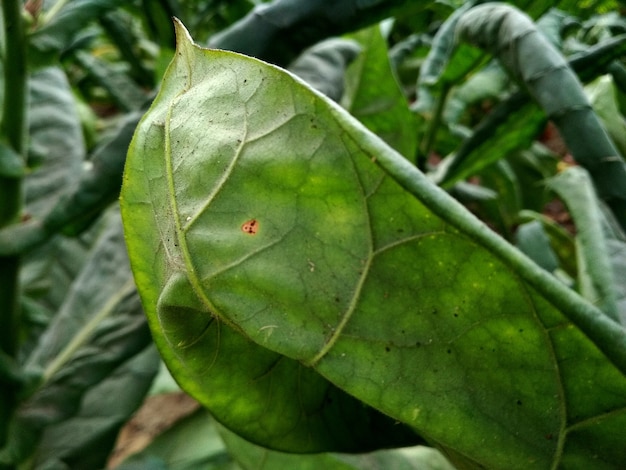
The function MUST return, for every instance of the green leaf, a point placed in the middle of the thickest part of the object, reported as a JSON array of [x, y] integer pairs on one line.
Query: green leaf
[[501, 210], [595, 275], [254, 203], [60, 25], [192, 443], [489, 83], [445, 64], [374, 96], [56, 153], [99, 327], [251, 456], [515, 122], [56, 146], [86, 440], [124, 92], [279, 30], [323, 417], [98, 185], [533, 61], [74, 212], [510, 127], [533, 241], [602, 95], [561, 241], [323, 65]]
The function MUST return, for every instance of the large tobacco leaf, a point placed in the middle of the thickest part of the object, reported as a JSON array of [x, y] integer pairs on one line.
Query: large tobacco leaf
[[285, 256]]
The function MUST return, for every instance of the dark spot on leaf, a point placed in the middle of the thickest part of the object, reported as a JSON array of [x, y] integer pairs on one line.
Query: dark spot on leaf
[[519, 402], [251, 227], [456, 315], [387, 348], [549, 437], [418, 344], [521, 330], [449, 351]]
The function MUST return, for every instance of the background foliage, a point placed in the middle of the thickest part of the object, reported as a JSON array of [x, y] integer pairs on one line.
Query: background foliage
[[76, 355]]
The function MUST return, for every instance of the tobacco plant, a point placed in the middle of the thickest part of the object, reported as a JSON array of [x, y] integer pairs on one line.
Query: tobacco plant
[[342, 245]]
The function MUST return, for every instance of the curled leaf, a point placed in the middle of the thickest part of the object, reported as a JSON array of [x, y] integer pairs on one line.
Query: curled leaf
[[374, 279]]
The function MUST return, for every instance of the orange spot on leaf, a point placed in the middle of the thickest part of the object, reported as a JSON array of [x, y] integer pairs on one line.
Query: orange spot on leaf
[[250, 227]]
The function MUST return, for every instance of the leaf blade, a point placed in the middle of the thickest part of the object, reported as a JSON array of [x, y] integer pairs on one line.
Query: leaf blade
[[336, 239]]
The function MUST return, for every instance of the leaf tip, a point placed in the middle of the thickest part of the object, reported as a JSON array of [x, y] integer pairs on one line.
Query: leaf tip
[[182, 35]]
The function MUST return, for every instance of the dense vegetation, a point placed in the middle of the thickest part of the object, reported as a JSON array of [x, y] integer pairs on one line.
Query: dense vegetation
[[414, 239]]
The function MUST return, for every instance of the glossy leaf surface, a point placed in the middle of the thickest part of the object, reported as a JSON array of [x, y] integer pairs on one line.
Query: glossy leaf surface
[[267, 244]]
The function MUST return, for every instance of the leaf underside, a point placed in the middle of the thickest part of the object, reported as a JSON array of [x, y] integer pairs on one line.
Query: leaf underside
[[280, 267]]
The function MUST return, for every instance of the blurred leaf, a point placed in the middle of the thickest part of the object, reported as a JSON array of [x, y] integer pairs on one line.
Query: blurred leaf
[[86, 440], [123, 91], [99, 327], [60, 26], [511, 126], [104, 279], [119, 29], [445, 64], [98, 186], [595, 277], [601, 93], [533, 241], [192, 443], [532, 167], [373, 95], [617, 253], [618, 73], [515, 122], [598, 59], [253, 457], [561, 241], [503, 209], [56, 145], [488, 83], [533, 61], [279, 30], [254, 213], [323, 66], [158, 15], [55, 158]]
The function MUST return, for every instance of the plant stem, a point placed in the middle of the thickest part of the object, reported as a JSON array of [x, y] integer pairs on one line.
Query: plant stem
[[431, 132], [12, 133]]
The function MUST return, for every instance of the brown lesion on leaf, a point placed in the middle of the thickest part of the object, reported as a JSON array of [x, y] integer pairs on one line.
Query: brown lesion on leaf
[[251, 227]]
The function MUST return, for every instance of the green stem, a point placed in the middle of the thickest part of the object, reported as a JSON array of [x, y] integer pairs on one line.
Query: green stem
[[12, 133], [608, 335], [431, 133]]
